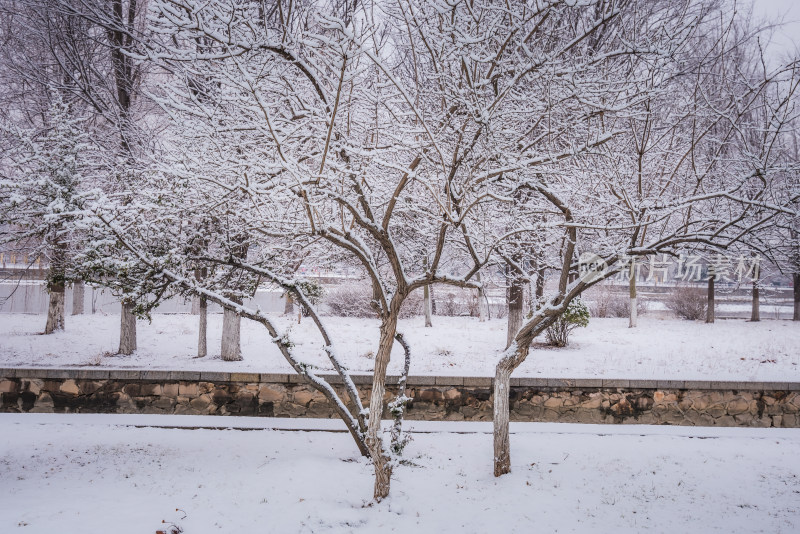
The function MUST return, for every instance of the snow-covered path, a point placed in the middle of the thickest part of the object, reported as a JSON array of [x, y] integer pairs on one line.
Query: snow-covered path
[[659, 348], [82, 474]]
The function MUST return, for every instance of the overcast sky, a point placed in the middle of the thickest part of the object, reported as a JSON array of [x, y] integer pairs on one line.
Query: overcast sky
[[786, 38]]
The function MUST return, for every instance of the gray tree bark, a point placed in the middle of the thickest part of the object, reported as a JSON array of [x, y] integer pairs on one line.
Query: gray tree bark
[[501, 406], [426, 306], [55, 309], [78, 293], [540, 285], [202, 331], [796, 284], [634, 311], [483, 304], [516, 301], [127, 330], [755, 313], [710, 308], [231, 349], [380, 460]]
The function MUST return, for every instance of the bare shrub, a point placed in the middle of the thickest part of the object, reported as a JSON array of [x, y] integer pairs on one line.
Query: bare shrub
[[688, 303], [473, 304], [452, 304], [606, 302], [351, 299], [412, 307]]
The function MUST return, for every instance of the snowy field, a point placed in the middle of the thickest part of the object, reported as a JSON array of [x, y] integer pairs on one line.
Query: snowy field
[[82, 474], [658, 348]]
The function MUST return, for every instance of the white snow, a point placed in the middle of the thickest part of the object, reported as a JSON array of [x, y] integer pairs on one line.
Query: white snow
[[88, 473], [658, 348]]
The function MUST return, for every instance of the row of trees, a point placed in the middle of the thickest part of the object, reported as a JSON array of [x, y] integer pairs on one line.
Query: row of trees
[[204, 148]]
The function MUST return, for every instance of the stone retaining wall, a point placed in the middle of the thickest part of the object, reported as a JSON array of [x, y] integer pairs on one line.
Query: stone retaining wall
[[762, 404]]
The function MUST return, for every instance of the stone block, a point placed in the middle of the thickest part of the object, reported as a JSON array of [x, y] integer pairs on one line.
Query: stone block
[[449, 380], [189, 389], [38, 372], [738, 406], [124, 374], [184, 375], [35, 386], [170, 390], [8, 386], [245, 377], [671, 384], [531, 382], [593, 403], [162, 403], [716, 410], [69, 387], [429, 395], [553, 402], [92, 374], [774, 386], [729, 386], [215, 376], [588, 383], [725, 420], [479, 381], [616, 383], [420, 380], [90, 387], [155, 375], [452, 394], [643, 384], [304, 397], [295, 378], [201, 404], [560, 382], [790, 421], [276, 378]]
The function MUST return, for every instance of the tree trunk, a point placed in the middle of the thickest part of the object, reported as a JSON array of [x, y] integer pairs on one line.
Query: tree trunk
[[632, 288], [288, 305], [231, 348], [539, 286], [501, 407], [55, 308], [127, 330], [78, 293], [202, 337], [483, 304], [710, 309], [755, 314], [426, 305], [398, 406], [516, 300], [796, 285], [380, 460]]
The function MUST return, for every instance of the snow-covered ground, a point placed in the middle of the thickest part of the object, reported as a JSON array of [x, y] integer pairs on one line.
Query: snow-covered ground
[[658, 348], [82, 474]]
